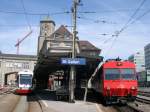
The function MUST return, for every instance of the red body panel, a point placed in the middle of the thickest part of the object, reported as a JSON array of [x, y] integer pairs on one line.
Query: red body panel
[[115, 64], [120, 88], [116, 88], [23, 91]]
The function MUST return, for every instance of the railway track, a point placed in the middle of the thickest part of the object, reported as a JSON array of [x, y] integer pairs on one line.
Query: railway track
[[143, 97], [28, 104], [142, 93], [7, 91], [20, 103], [118, 108], [34, 106], [127, 108], [140, 105]]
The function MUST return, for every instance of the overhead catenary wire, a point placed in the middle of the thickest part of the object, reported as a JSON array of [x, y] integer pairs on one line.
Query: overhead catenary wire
[[129, 22], [20, 25], [117, 11], [28, 34], [68, 12], [96, 20], [22, 2], [43, 14], [138, 18], [132, 16]]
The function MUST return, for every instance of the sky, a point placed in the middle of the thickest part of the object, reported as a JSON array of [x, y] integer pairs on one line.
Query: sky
[[106, 17]]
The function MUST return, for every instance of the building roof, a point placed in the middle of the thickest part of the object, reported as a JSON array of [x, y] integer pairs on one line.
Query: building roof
[[34, 57], [147, 46], [86, 45], [62, 29], [47, 20], [83, 44]]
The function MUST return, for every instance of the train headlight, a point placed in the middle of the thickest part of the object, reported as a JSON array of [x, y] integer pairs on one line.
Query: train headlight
[[119, 63], [133, 87], [108, 88]]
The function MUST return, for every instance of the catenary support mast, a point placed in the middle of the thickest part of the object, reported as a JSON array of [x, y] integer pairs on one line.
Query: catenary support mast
[[73, 72]]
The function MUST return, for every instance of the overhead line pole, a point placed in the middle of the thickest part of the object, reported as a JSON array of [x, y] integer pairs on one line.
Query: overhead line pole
[[72, 71]]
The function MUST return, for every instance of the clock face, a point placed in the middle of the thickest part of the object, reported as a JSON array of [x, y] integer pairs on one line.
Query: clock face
[[45, 29]]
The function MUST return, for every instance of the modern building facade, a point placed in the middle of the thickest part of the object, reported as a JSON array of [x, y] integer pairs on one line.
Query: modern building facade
[[147, 56], [139, 60], [10, 64]]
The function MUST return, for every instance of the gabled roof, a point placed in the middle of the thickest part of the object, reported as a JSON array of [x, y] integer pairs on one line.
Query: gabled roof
[[17, 56], [86, 45], [62, 30]]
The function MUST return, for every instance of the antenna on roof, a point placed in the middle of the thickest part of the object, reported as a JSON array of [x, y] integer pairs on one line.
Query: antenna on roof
[[47, 18], [118, 59]]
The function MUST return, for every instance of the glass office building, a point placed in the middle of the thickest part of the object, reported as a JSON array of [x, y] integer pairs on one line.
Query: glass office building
[[147, 56], [139, 60]]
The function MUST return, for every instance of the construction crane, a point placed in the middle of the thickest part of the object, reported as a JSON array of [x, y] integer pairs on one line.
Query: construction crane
[[19, 41]]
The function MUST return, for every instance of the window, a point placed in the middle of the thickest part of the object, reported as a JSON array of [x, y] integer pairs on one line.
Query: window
[[68, 44], [25, 79], [66, 36], [57, 35], [25, 65], [112, 74], [54, 44], [128, 74]]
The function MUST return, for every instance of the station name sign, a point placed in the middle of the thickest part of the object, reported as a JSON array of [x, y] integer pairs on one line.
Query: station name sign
[[73, 61]]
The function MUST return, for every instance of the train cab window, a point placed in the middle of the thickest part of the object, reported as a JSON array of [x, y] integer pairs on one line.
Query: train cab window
[[128, 74], [112, 74], [25, 79]]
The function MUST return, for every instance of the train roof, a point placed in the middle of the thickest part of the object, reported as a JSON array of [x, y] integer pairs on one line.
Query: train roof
[[118, 64], [25, 72]]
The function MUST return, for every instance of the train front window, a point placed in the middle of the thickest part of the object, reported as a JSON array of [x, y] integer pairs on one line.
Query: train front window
[[112, 74], [128, 74], [26, 79]]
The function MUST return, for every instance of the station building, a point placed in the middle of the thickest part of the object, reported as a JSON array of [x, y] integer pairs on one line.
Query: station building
[[54, 44]]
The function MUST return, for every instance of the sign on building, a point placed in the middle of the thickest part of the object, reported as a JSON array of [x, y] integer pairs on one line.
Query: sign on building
[[73, 61]]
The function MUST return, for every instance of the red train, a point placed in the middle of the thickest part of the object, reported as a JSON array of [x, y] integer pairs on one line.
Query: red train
[[116, 81]]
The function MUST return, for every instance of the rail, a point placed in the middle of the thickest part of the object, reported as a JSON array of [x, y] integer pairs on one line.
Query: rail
[[6, 90], [143, 97]]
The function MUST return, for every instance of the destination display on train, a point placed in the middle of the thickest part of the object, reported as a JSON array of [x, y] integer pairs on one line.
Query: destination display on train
[[73, 61]]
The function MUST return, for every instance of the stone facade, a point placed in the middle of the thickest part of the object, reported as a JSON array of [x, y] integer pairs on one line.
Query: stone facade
[[60, 41], [12, 63], [47, 27]]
